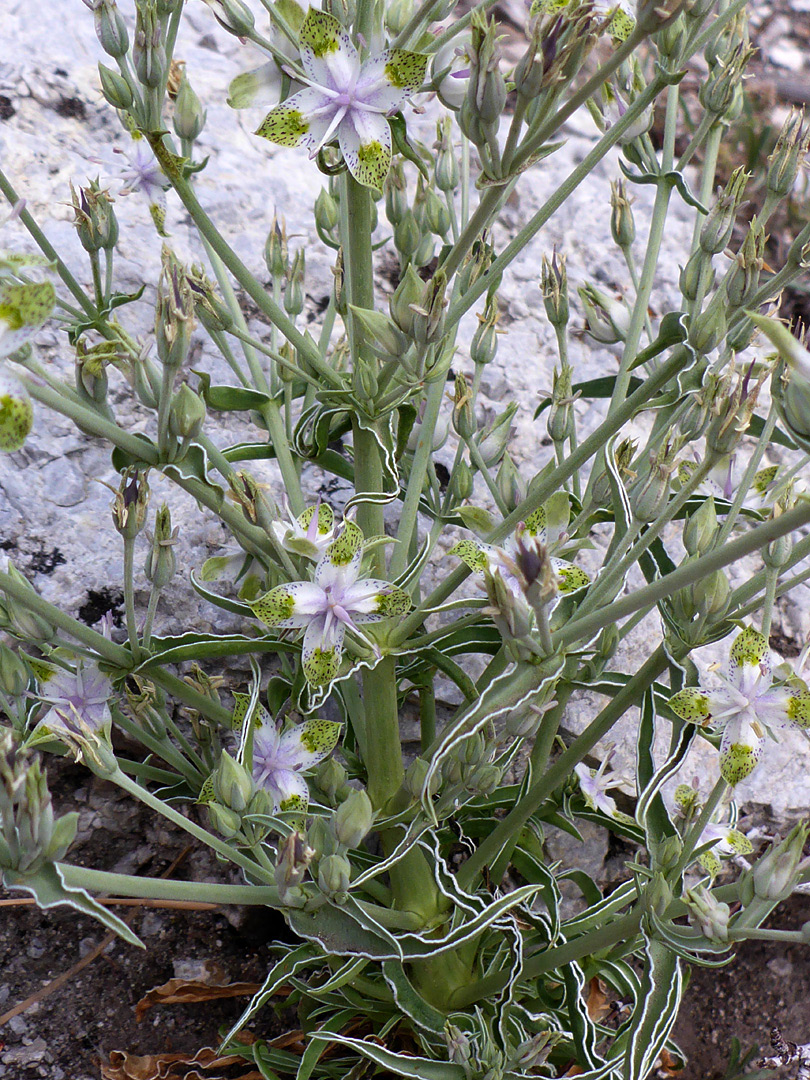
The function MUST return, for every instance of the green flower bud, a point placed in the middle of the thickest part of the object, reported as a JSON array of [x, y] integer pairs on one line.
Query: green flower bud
[[294, 290], [14, 675], [484, 779], [397, 14], [700, 529], [732, 414], [148, 51], [233, 16], [130, 503], [447, 174], [711, 595], [115, 88], [691, 274], [708, 914], [657, 895], [174, 312], [208, 307], [331, 778], [459, 1047], [560, 421], [189, 115], [111, 29], [294, 857], [416, 776], [717, 93], [94, 217], [707, 330], [777, 872], [484, 342], [186, 414], [396, 195], [462, 482], [791, 390], [226, 822], [321, 838], [429, 314], [161, 564], [554, 285], [650, 493], [233, 784], [622, 225], [716, 230], [15, 617], [486, 89], [510, 483], [334, 875], [407, 235], [463, 415], [408, 295], [352, 819], [606, 319], [493, 440], [790, 150], [276, 252], [743, 277], [437, 216], [739, 334], [326, 214]]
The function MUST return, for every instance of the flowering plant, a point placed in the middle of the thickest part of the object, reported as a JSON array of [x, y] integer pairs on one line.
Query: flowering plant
[[649, 513]]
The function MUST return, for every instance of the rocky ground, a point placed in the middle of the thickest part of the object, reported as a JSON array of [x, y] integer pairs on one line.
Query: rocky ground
[[54, 515]]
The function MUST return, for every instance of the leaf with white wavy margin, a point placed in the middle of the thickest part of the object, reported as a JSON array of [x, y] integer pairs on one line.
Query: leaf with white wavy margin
[[410, 1001], [650, 796], [48, 888], [657, 1010], [583, 1029], [313, 1053], [294, 961], [418, 1068]]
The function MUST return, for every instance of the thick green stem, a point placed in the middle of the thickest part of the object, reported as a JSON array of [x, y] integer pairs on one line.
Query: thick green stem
[[129, 599], [101, 881]]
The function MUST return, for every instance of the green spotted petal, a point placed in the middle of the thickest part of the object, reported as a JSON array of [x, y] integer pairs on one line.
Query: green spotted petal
[[319, 738], [471, 554], [406, 70], [158, 214], [207, 794], [23, 309], [749, 647], [621, 26], [16, 418], [294, 803], [685, 797], [321, 666], [764, 478], [691, 704], [738, 842], [242, 701], [285, 125], [738, 760], [342, 551], [275, 607], [569, 577], [326, 518], [395, 602], [321, 34], [684, 471], [535, 523], [798, 708], [711, 863], [548, 7]]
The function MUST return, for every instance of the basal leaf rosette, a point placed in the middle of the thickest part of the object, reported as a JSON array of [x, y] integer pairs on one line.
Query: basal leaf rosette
[[745, 706], [345, 98], [335, 600]]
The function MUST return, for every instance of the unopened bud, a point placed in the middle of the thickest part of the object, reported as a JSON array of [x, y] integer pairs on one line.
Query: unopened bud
[[161, 563], [416, 777], [174, 312], [788, 154], [276, 253], [294, 291], [493, 440], [233, 784], [352, 819], [463, 415], [606, 320], [719, 224], [408, 295], [94, 217], [115, 88], [233, 16], [700, 529], [111, 29], [650, 493], [554, 285], [509, 482], [326, 214], [130, 504], [708, 914], [407, 235], [447, 174], [560, 421], [148, 52], [334, 875], [776, 873], [462, 482], [13, 673], [186, 414], [189, 115], [484, 342], [622, 225]]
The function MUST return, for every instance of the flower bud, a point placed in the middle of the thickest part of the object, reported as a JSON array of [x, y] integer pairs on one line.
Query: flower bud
[[130, 504], [777, 872], [294, 291], [397, 14], [484, 342], [416, 776], [174, 312], [463, 415], [510, 483], [407, 235], [94, 217], [650, 493], [17, 619], [743, 277], [408, 295], [711, 595], [446, 174], [462, 482], [233, 784], [716, 230], [115, 88], [791, 390], [189, 115], [606, 319], [437, 216], [484, 779], [718, 92], [534, 1052], [208, 307], [352, 819], [707, 914], [698, 264], [186, 414], [331, 779], [486, 90], [732, 414], [13, 672], [459, 1047], [276, 253], [226, 822], [554, 285], [790, 150], [334, 875], [560, 421], [493, 440], [622, 225], [700, 529], [326, 214], [111, 29], [396, 195], [148, 52], [161, 564], [16, 410], [321, 838], [292, 863], [233, 16]]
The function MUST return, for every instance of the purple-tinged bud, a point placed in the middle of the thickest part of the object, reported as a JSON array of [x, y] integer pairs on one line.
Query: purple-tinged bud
[[131, 503], [94, 217], [716, 230], [554, 286], [111, 29]]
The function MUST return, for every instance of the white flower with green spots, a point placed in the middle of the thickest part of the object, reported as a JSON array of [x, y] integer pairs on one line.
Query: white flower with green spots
[[486, 557], [745, 706], [279, 757], [345, 98], [16, 410], [594, 786], [309, 534], [336, 600]]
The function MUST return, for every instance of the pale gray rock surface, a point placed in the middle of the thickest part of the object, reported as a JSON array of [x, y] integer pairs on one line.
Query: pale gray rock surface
[[54, 514]]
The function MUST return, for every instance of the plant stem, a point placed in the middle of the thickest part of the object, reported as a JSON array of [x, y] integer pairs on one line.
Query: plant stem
[[102, 881], [129, 599], [692, 839]]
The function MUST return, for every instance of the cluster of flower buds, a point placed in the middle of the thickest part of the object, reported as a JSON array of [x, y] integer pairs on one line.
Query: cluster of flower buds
[[415, 227], [469, 767], [94, 218], [791, 385], [30, 837], [788, 154], [329, 840], [16, 619], [485, 97], [708, 914], [231, 796], [148, 50]]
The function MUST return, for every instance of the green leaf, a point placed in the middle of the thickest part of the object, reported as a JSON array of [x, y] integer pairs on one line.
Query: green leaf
[[410, 1001], [478, 520], [122, 460], [673, 179], [402, 145], [229, 398], [418, 1068], [48, 888]]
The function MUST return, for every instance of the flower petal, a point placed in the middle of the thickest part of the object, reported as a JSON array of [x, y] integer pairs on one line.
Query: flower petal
[[328, 55], [535, 524], [290, 790], [691, 704], [370, 600], [569, 577], [302, 120], [749, 649], [472, 554], [321, 651], [23, 310], [260, 87], [365, 143], [798, 708], [740, 750], [16, 410], [341, 563], [388, 79], [309, 743], [290, 606]]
